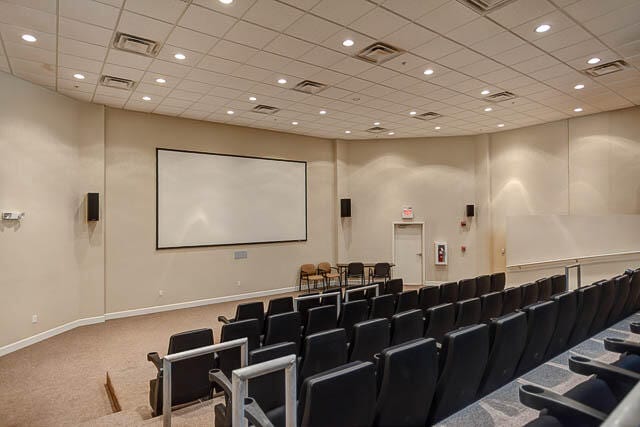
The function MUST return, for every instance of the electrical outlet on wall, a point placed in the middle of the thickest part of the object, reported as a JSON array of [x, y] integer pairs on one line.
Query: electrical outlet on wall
[[237, 282], [34, 318], [161, 292]]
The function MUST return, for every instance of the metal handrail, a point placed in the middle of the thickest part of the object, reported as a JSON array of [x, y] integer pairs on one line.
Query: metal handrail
[[574, 259], [626, 413], [567, 268], [188, 354], [319, 296], [240, 378], [348, 291]]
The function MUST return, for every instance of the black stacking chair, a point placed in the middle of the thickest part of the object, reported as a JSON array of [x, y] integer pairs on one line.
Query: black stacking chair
[[407, 374], [607, 296], [383, 306], [283, 327], [622, 294], [633, 301], [352, 312], [529, 294], [439, 320], [406, 326], [545, 289], [462, 361], [448, 292], [355, 270], [407, 300], [394, 286], [588, 301], [381, 270], [483, 285], [322, 351], [320, 319], [248, 310], [491, 306], [511, 299], [228, 360], [187, 376], [369, 338], [305, 305], [559, 284], [508, 336], [468, 312], [429, 296], [541, 322], [498, 281], [279, 306], [567, 314], [466, 289]]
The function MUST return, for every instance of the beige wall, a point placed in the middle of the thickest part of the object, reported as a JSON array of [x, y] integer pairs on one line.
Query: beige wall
[[51, 155]]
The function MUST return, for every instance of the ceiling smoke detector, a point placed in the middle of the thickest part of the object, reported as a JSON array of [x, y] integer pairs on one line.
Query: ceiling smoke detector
[[378, 53], [117, 82], [135, 44], [501, 96], [427, 116], [485, 6], [310, 87], [265, 109], [608, 68], [377, 129]]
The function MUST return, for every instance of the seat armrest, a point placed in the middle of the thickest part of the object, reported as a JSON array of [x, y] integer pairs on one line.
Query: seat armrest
[[254, 413], [224, 320], [635, 327], [585, 366], [618, 345], [540, 398], [155, 359], [218, 378]]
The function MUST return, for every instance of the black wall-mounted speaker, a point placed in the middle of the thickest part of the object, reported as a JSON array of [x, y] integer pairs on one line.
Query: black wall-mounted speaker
[[93, 206], [470, 210], [345, 208]]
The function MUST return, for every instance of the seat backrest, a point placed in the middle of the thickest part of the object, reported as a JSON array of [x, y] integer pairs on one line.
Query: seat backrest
[[498, 281], [448, 292], [468, 312], [407, 300], [320, 319], [541, 322], [345, 396], [529, 294], [228, 360], [331, 300], [382, 306], [323, 351], [307, 269], [251, 310], [356, 295], [279, 305], [466, 289], [634, 293], [428, 296], [355, 269], [394, 286], [607, 296], [406, 326], [369, 338], [269, 390], [559, 284], [622, 294], [407, 374], [567, 313], [545, 288], [283, 327], [439, 320], [381, 269], [483, 285], [370, 293], [491, 306], [462, 361], [305, 304], [324, 267], [511, 299], [352, 312], [508, 335], [588, 301]]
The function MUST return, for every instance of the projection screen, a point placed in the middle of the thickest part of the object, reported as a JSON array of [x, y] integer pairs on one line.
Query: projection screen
[[208, 199]]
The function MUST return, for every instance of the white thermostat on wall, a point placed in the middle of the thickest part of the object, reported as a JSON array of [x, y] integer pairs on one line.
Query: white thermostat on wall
[[407, 212], [12, 216]]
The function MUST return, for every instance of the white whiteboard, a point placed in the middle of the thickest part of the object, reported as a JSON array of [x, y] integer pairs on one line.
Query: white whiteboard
[[206, 199], [542, 238]]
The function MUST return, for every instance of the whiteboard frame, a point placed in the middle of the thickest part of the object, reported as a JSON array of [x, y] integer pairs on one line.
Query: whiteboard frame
[[306, 210]]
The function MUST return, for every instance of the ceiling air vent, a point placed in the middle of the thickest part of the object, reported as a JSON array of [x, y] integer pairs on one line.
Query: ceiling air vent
[[265, 109], [117, 82], [427, 116], [501, 97], [378, 53], [377, 129], [608, 68], [484, 6], [308, 86], [135, 44]]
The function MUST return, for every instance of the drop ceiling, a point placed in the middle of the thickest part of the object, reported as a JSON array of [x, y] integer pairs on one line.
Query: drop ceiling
[[235, 54]]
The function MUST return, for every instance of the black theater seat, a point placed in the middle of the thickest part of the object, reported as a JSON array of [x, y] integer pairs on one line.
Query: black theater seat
[[511, 299], [567, 313], [633, 301], [305, 305], [383, 306], [483, 285], [279, 306], [321, 352], [491, 306], [245, 311], [228, 360], [541, 322], [545, 289], [283, 327], [498, 281], [320, 319], [607, 296], [369, 337], [448, 292], [588, 300], [466, 289], [559, 284], [406, 326], [468, 312], [529, 294], [394, 286], [622, 294], [352, 312], [429, 296], [407, 374], [407, 300], [439, 320]]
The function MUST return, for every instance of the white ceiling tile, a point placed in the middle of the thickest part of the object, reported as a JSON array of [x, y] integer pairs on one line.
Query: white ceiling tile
[[302, 69], [206, 21], [122, 72], [564, 38], [579, 50], [312, 29], [342, 12], [234, 51], [103, 91], [288, 46], [23, 67], [166, 10], [329, 77], [168, 52], [127, 59], [354, 84], [586, 10], [186, 95], [252, 73], [499, 43], [81, 49], [84, 32], [270, 14], [447, 17], [269, 61], [30, 53], [132, 23], [460, 58], [410, 36], [36, 19], [623, 36], [518, 54], [48, 6], [79, 64], [535, 64], [475, 31], [413, 9], [237, 8], [379, 23], [115, 3], [351, 66], [322, 57], [90, 12], [437, 48], [250, 35], [4, 64], [13, 34], [153, 90], [520, 12], [168, 68], [556, 19], [192, 40], [80, 93], [109, 100]]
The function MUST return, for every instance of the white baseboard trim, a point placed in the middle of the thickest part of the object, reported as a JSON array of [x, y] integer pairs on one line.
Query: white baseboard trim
[[196, 303], [10, 348]]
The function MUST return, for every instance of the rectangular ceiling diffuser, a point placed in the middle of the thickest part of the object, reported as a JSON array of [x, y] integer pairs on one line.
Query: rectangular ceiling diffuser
[[484, 6], [608, 68], [377, 129], [378, 53], [117, 82], [265, 109], [310, 87], [427, 116], [135, 44], [501, 96]]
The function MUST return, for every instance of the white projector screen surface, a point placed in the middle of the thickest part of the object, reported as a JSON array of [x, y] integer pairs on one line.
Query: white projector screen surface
[[208, 199]]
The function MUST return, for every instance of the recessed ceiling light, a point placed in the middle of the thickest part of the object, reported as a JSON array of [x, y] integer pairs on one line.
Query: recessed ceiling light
[[252, 98], [347, 43], [179, 56], [501, 125], [437, 128], [230, 112], [488, 109], [160, 80], [543, 28], [29, 38], [485, 92], [593, 60], [78, 76], [282, 81], [323, 112], [226, 1], [391, 133], [413, 113], [578, 87], [428, 72], [578, 110], [146, 98], [294, 123], [376, 123], [347, 131]]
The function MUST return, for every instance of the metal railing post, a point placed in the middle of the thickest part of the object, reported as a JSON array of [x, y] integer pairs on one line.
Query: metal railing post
[[567, 270], [348, 291]]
